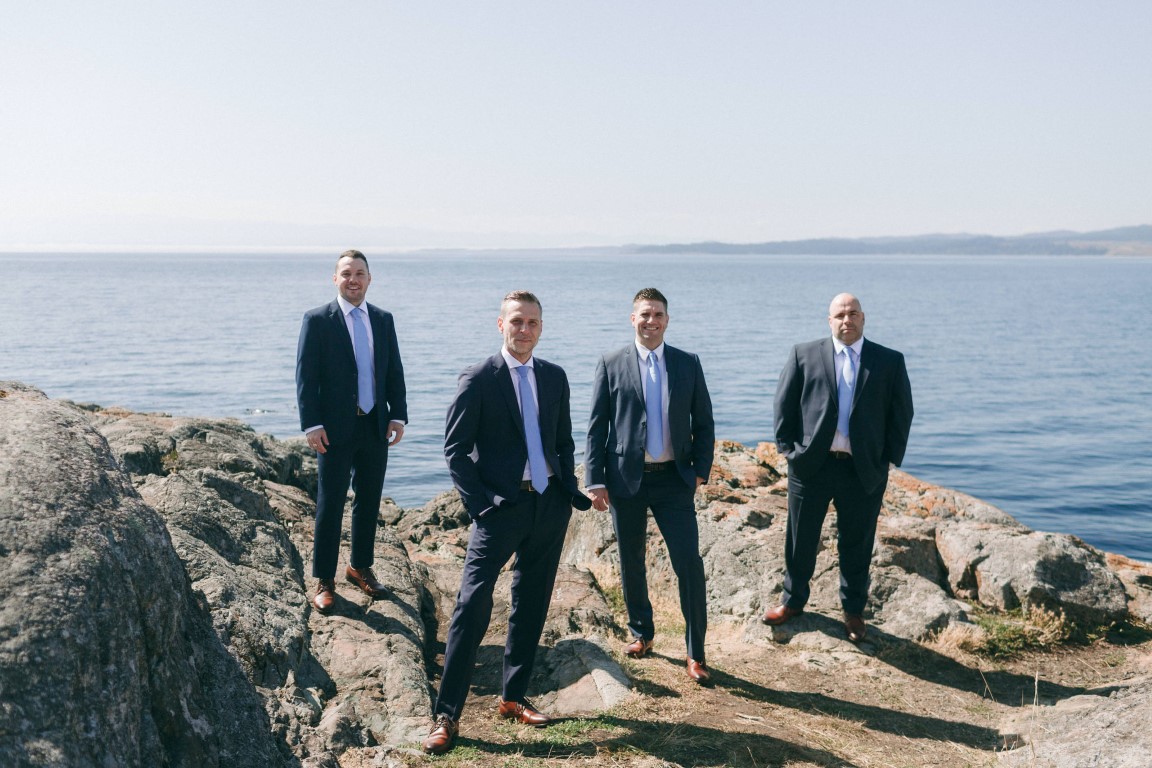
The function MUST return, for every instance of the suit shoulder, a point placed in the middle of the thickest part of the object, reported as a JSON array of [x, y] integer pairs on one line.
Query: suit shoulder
[[549, 368], [880, 350], [623, 353], [373, 309], [321, 311]]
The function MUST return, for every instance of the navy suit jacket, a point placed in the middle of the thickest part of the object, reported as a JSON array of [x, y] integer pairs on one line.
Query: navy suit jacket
[[618, 426], [326, 387], [484, 435], [807, 406]]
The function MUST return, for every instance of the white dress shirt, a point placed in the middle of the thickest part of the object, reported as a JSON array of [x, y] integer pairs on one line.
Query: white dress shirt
[[666, 451], [841, 442]]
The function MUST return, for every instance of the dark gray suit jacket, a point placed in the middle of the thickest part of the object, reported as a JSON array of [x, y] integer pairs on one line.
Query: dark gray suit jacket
[[326, 387], [618, 426], [807, 406], [484, 419]]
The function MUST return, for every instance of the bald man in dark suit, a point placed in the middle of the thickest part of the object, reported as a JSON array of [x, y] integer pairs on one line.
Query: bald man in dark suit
[[843, 412]]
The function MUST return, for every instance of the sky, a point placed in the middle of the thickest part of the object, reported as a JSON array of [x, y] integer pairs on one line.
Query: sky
[[544, 124]]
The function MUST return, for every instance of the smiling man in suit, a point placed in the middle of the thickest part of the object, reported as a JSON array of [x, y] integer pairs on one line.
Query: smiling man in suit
[[650, 445], [351, 396], [508, 443], [843, 412]]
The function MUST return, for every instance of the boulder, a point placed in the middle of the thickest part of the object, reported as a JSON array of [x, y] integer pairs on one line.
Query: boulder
[[1005, 568], [107, 656], [1107, 728]]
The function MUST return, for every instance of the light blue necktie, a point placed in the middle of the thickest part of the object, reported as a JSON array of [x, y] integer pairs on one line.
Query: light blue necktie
[[366, 397], [847, 387], [537, 465], [654, 406]]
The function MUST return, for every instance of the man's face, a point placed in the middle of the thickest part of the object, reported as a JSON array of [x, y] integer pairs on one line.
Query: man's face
[[846, 319], [352, 279], [520, 324], [650, 319]]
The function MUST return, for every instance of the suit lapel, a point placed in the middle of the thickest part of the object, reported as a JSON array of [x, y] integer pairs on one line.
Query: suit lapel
[[673, 365], [632, 371], [828, 358], [503, 375], [340, 329], [863, 370]]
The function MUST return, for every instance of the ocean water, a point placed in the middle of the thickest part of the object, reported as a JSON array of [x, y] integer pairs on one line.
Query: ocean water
[[1030, 375]]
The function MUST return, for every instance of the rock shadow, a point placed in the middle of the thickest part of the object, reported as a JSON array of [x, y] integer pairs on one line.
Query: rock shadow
[[872, 717], [675, 744]]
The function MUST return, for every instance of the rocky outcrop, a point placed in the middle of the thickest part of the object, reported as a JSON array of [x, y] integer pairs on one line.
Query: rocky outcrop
[[158, 580], [108, 656], [1106, 728]]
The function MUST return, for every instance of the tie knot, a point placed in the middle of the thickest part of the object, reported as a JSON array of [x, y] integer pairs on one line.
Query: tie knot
[[522, 371], [356, 312]]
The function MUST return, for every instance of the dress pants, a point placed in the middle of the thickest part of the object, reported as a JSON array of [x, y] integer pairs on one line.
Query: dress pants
[[533, 531], [856, 513], [674, 510], [362, 463]]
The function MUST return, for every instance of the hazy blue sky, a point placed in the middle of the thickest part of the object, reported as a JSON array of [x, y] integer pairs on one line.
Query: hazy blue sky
[[400, 124]]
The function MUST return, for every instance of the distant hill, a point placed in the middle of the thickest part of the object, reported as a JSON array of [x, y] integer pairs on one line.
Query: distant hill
[[1122, 240]]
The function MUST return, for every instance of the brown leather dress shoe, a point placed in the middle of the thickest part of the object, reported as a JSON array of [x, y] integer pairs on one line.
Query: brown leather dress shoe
[[774, 617], [523, 712], [325, 596], [638, 648], [366, 581], [855, 627], [698, 671], [441, 736]]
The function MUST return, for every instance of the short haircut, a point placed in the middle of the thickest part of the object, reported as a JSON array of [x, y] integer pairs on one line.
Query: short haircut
[[524, 297], [353, 254], [650, 294]]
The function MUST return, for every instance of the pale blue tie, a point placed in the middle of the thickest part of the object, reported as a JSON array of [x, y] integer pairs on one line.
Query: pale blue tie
[[537, 464], [366, 396], [847, 387], [654, 406]]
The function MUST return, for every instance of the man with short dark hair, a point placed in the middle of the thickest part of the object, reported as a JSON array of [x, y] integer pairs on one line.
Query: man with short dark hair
[[351, 396], [508, 443], [843, 413], [650, 445]]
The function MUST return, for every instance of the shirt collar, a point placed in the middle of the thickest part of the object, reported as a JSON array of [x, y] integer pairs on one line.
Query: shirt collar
[[514, 363], [346, 306], [856, 346], [644, 351]]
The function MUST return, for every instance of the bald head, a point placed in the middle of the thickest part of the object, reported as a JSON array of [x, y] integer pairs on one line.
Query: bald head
[[846, 318]]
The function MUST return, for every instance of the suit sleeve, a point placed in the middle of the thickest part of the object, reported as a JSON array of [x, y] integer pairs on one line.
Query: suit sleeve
[[460, 433], [899, 421], [308, 401], [703, 425], [595, 471], [394, 385], [789, 423]]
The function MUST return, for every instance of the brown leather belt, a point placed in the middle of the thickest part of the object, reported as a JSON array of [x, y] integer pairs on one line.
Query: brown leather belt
[[840, 455], [659, 466]]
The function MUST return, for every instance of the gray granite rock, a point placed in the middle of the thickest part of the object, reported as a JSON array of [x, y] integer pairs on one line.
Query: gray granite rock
[[1006, 568], [1107, 728], [107, 657]]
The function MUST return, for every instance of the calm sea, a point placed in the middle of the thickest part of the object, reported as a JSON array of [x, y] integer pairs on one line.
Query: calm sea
[[1031, 378]]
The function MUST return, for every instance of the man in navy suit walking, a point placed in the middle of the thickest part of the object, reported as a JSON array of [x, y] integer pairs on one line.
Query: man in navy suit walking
[[843, 412], [650, 445], [351, 396], [508, 443]]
